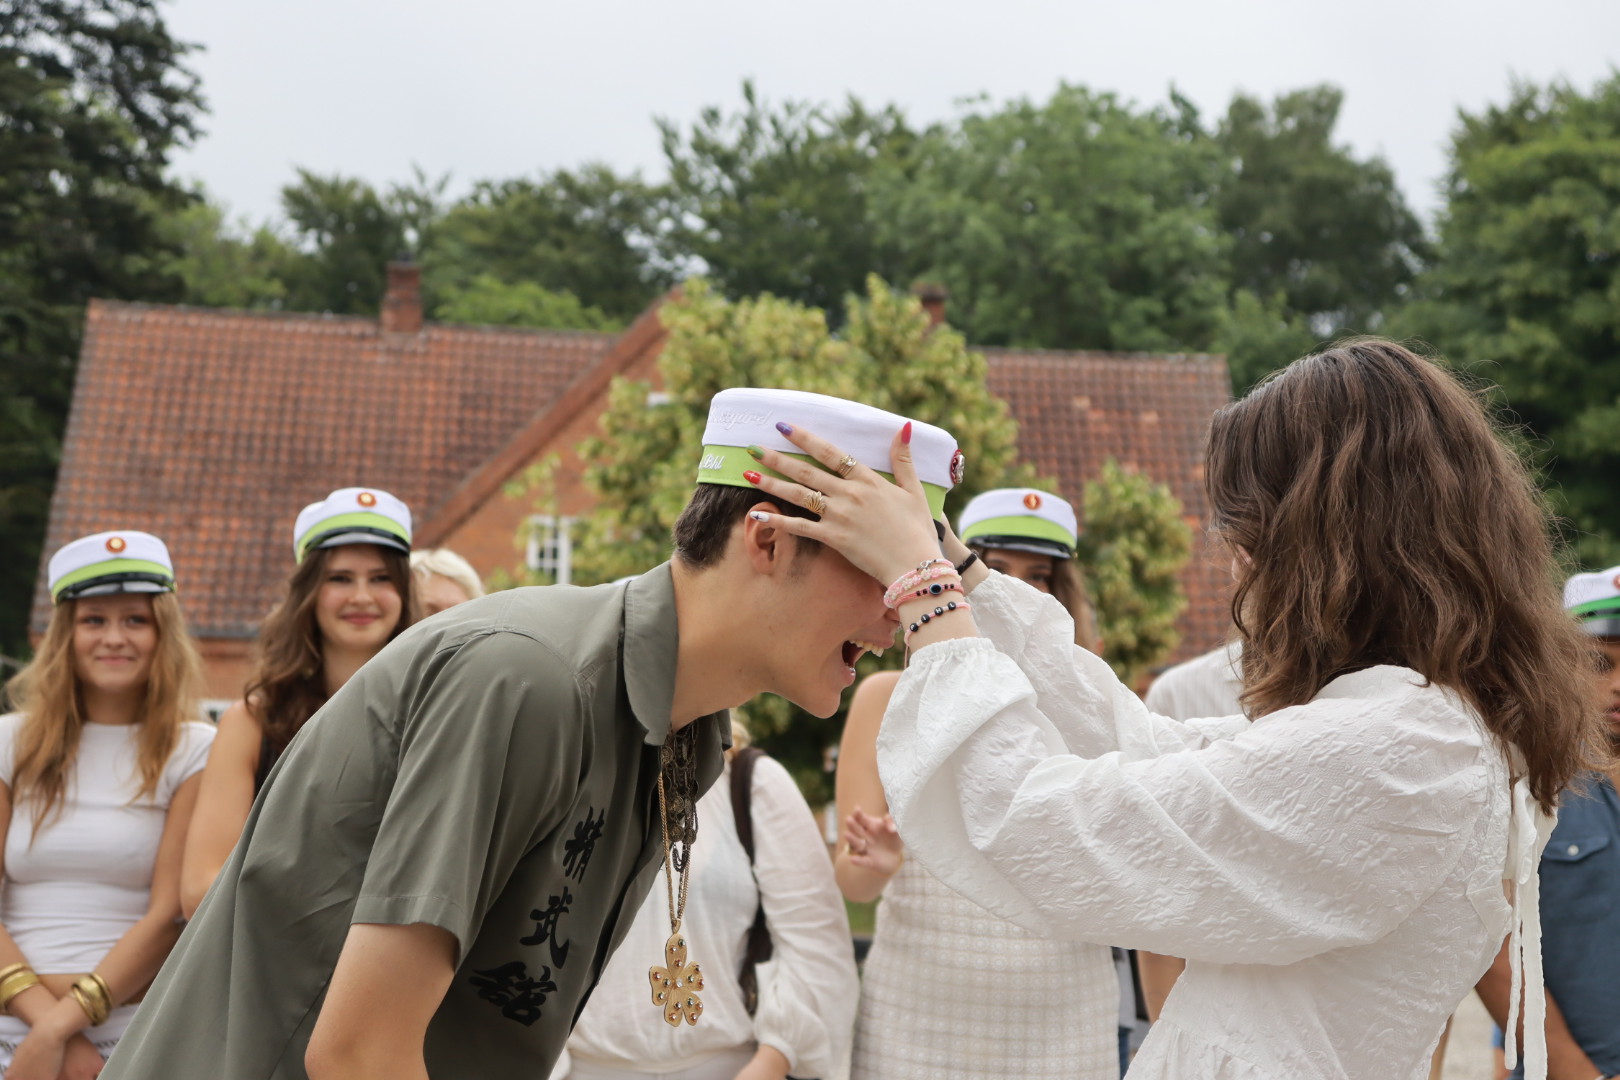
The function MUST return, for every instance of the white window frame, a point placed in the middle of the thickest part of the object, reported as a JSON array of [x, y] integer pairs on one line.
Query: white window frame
[[550, 547]]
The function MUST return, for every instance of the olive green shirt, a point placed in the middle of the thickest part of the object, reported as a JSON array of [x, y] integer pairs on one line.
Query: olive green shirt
[[492, 771]]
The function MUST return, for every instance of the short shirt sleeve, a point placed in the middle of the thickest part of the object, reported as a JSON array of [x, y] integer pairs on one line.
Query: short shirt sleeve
[[489, 747], [187, 759], [10, 725]]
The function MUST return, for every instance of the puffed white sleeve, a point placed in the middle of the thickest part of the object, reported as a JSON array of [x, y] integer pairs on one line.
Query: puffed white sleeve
[[808, 989], [1316, 828], [1091, 710]]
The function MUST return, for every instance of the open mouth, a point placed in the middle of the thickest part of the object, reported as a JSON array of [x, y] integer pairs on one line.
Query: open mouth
[[854, 650]]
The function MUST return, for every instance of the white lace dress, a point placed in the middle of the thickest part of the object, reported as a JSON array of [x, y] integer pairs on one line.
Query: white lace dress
[[1333, 872], [951, 992]]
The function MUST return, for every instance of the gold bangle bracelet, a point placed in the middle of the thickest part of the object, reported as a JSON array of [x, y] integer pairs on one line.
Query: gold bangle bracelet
[[90, 1000], [12, 969], [14, 984], [95, 988]]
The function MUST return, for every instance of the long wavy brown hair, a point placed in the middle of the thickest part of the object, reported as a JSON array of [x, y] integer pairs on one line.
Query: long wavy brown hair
[[287, 686], [48, 694], [1380, 517]]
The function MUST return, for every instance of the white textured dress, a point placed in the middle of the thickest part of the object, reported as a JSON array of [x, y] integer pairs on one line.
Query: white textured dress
[[952, 992], [1332, 872]]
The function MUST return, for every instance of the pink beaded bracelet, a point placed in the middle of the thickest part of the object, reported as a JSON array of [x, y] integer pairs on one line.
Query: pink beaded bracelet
[[926, 571]]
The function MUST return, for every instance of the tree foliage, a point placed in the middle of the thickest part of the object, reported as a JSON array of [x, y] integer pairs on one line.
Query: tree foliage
[[776, 199], [588, 232], [94, 97], [1526, 291], [1078, 223], [489, 301], [1133, 546]]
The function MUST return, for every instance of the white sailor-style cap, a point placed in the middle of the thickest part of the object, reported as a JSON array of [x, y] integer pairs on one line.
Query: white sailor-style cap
[[353, 516], [1594, 600], [110, 562], [1022, 519], [747, 416]]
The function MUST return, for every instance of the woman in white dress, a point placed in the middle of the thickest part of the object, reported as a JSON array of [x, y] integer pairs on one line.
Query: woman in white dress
[[98, 776], [804, 1001], [1049, 1009], [1339, 872]]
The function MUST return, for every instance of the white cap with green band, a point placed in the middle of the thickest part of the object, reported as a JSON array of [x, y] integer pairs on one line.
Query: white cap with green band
[[353, 516], [747, 416], [110, 562], [1594, 600], [1022, 519]]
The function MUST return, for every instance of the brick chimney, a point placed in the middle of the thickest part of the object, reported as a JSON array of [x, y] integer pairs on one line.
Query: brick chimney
[[933, 297], [402, 303]]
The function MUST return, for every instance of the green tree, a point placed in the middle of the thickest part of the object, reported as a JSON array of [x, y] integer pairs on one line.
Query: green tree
[[1134, 544], [94, 97], [1526, 288], [775, 199], [588, 232], [1082, 222], [489, 301], [223, 264], [1322, 243], [345, 232]]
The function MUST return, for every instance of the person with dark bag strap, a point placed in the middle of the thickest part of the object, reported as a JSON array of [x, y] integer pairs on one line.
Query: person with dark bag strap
[[780, 994]]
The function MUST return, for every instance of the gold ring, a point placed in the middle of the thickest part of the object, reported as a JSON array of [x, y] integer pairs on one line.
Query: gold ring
[[846, 467], [816, 503]]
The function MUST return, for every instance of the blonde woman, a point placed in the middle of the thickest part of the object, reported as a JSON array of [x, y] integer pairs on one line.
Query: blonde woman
[[1045, 1009], [444, 579], [98, 777]]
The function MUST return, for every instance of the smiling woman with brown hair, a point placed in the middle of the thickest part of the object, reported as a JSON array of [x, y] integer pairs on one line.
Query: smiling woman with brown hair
[[347, 597], [1334, 870], [97, 782]]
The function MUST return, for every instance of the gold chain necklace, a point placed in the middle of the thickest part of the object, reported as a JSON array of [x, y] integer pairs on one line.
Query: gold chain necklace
[[676, 983]]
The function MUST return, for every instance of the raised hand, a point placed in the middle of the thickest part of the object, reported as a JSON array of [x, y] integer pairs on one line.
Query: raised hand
[[873, 842], [883, 528]]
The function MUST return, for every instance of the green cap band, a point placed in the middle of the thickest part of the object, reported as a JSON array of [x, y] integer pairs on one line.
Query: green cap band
[[345, 522], [107, 569], [1609, 605], [1028, 527], [726, 465]]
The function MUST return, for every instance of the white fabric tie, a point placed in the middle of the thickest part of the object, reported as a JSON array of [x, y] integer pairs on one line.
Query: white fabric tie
[[1528, 832]]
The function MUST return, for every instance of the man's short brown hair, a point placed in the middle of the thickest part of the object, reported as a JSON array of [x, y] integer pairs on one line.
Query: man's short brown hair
[[704, 527]]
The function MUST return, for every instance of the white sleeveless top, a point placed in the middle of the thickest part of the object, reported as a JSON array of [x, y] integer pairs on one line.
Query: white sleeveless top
[[953, 992], [71, 892]]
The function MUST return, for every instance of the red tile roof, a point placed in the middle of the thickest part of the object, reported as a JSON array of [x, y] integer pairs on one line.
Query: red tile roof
[[1150, 413], [213, 429]]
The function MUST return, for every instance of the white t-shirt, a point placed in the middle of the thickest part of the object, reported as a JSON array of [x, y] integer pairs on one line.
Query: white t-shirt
[[807, 991], [71, 892], [1206, 685]]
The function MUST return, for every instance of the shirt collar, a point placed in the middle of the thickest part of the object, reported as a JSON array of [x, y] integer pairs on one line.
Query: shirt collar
[[651, 643]]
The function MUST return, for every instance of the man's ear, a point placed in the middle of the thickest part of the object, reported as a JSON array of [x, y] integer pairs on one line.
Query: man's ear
[[767, 548]]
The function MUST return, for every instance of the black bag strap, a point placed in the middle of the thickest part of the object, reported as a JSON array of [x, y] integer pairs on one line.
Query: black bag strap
[[760, 947]]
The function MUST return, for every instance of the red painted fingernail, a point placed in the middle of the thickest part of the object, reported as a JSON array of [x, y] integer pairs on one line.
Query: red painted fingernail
[[905, 433], [751, 476]]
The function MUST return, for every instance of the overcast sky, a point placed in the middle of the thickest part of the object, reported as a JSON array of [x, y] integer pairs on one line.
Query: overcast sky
[[498, 88]]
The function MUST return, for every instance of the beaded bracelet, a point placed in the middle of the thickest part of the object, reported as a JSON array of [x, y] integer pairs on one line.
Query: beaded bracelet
[[926, 571], [938, 612], [938, 588]]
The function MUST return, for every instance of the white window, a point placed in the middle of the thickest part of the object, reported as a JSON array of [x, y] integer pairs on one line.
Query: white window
[[551, 547]]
